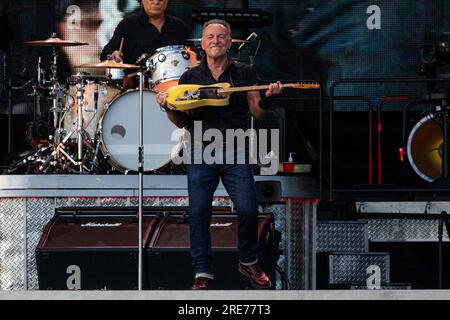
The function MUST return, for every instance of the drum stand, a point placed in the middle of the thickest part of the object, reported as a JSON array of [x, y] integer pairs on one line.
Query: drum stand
[[80, 99], [78, 129], [54, 89]]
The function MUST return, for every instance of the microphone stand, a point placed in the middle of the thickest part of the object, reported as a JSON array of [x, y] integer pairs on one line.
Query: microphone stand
[[251, 56], [141, 171]]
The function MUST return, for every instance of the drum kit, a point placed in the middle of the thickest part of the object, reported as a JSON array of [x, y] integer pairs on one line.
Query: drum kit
[[96, 121]]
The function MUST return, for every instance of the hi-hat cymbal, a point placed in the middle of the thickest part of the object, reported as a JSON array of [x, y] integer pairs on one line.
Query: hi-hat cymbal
[[108, 64], [232, 40], [55, 42]]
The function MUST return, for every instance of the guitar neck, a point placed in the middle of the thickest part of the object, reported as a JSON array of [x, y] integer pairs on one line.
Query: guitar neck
[[265, 87]]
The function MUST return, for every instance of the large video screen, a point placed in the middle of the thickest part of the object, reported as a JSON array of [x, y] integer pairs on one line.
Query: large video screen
[[321, 40]]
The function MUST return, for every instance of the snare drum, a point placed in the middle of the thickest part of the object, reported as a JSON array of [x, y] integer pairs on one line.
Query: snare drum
[[168, 64], [119, 133]]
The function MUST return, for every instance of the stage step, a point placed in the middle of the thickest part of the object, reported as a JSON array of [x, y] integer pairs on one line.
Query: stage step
[[342, 236], [363, 269]]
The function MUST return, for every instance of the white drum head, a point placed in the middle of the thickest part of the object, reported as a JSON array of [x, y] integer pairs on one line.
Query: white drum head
[[120, 132]]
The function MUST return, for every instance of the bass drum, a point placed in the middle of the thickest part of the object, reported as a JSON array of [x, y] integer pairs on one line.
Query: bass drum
[[119, 133], [425, 147]]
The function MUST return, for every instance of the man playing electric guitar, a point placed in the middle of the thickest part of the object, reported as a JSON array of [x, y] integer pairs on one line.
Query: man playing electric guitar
[[238, 180]]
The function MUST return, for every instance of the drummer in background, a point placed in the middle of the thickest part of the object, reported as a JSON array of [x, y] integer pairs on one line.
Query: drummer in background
[[91, 22], [144, 32]]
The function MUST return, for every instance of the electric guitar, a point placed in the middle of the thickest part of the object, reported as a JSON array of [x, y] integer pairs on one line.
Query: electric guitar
[[189, 96]]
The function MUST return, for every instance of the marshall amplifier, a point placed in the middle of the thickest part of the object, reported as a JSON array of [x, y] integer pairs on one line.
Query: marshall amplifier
[[92, 249], [170, 265]]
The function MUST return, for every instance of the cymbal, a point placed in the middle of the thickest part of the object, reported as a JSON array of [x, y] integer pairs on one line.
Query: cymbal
[[55, 42], [108, 64], [232, 40]]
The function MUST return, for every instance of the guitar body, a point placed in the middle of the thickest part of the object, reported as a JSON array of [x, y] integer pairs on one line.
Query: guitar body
[[190, 96]]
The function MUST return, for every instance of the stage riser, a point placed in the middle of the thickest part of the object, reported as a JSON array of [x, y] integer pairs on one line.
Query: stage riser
[[404, 230], [27, 216], [342, 236], [343, 270]]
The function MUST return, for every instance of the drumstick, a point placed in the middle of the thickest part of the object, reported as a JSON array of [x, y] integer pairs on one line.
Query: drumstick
[[121, 45]]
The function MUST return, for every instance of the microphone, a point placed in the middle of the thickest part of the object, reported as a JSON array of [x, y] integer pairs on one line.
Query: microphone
[[141, 60], [250, 37]]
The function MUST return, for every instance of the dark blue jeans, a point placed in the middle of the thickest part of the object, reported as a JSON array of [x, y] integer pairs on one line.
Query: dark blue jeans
[[238, 180]]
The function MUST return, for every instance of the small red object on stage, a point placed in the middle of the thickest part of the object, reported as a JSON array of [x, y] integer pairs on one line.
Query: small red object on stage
[[402, 152]]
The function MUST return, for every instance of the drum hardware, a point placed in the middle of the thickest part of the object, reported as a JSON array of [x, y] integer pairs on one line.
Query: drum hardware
[[59, 157], [80, 99], [55, 156], [150, 65], [100, 89], [95, 163], [27, 161], [95, 150], [95, 95], [54, 41], [92, 93], [98, 92], [55, 91], [55, 88], [108, 64]]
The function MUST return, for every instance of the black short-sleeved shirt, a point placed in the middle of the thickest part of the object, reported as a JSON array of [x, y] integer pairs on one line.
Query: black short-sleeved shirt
[[140, 36], [233, 116]]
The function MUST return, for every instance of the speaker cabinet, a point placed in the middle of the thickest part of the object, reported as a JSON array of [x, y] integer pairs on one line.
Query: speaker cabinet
[[97, 249], [170, 264], [92, 251]]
